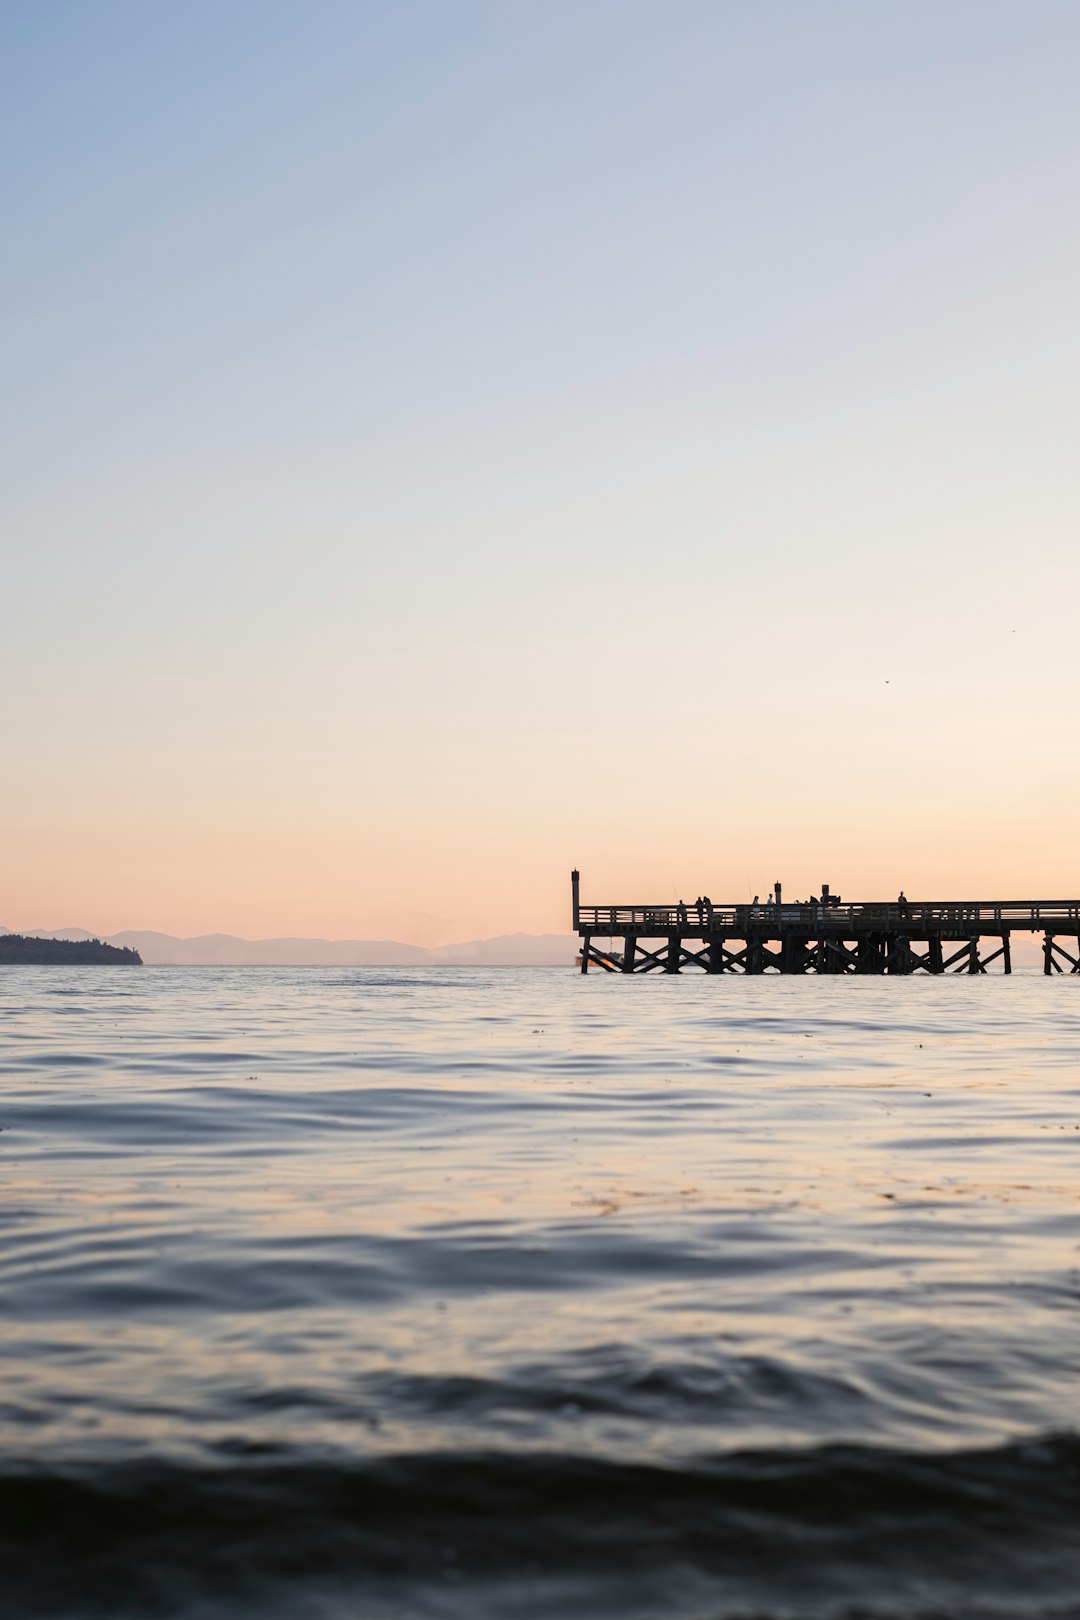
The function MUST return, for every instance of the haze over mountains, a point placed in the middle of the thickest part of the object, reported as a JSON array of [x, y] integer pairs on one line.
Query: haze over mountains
[[228, 950]]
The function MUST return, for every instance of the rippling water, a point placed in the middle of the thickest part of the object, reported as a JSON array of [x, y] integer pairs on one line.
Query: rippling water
[[368, 1293]]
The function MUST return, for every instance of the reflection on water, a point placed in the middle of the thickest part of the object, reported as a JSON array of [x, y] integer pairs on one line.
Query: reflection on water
[[515, 1292]]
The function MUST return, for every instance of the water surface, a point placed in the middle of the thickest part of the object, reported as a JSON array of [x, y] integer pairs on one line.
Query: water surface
[[334, 1292]]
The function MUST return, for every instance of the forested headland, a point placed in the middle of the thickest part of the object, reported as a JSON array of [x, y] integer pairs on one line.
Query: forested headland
[[21, 950]]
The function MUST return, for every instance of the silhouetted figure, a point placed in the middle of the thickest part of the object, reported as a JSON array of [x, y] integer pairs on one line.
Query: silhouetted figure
[[754, 908], [680, 912], [902, 904], [699, 907], [707, 903]]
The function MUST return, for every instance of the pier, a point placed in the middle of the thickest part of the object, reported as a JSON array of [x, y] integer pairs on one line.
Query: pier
[[825, 935]]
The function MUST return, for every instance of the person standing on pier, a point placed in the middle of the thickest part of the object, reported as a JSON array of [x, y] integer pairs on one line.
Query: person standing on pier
[[680, 912], [902, 903], [707, 903]]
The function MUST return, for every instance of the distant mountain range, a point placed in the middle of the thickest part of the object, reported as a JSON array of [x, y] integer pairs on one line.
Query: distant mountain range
[[228, 950]]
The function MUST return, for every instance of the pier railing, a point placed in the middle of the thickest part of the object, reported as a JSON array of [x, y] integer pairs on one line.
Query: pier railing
[[884, 915]]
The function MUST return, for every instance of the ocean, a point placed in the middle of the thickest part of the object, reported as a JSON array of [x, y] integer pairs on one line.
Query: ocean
[[350, 1294]]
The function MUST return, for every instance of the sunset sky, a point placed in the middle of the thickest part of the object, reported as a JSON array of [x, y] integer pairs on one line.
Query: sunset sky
[[444, 444]]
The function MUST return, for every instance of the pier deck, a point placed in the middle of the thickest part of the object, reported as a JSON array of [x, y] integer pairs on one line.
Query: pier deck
[[918, 936]]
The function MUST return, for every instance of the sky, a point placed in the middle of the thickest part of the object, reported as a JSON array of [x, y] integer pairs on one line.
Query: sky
[[443, 445]]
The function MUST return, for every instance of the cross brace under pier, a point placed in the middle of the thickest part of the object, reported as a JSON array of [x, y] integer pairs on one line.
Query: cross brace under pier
[[795, 953]]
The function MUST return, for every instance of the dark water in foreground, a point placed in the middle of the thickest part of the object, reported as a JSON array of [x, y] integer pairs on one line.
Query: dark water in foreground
[[367, 1293]]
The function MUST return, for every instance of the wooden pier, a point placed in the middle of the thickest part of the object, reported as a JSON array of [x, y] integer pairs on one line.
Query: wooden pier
[[823, 936]]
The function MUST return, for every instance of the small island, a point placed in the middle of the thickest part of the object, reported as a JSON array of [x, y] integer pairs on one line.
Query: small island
[[17, 950]]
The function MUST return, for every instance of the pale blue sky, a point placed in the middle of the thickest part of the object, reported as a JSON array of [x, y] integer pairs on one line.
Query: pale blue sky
[[419, 415]]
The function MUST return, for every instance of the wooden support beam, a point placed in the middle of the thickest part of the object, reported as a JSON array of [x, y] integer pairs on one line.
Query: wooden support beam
[[835, 956], [1060, 950], [724, 960], [909, 960], [935, 964], [1006, 950], [674, 952], [592, 956], [628, 953], [966, 958]]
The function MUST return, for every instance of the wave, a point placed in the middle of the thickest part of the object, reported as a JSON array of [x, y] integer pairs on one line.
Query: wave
[[829, 1531]]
